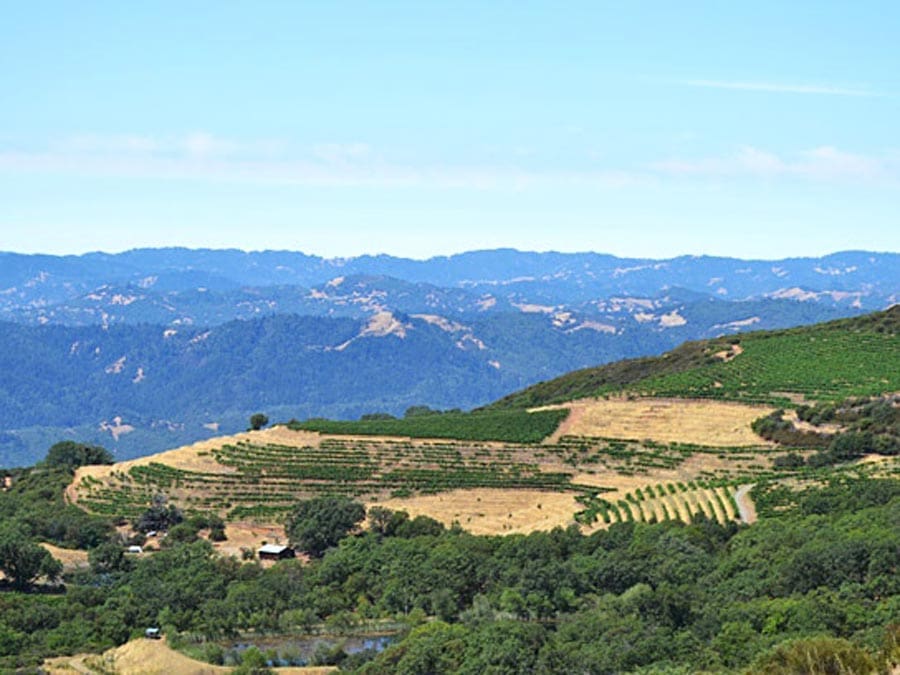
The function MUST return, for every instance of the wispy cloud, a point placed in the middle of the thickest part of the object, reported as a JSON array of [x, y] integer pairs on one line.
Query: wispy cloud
[[781, 88], [202, 156], [821, 163], [197, 144]]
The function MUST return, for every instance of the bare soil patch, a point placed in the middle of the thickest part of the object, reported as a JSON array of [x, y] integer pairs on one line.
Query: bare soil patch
[[729, 354], [712, 423], [825, 428], [247, 534]]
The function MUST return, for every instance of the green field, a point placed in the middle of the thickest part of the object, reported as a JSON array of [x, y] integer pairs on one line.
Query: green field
[[825, 365]]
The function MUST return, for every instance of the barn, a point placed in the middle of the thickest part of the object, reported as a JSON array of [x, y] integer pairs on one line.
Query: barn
[[275, 552]]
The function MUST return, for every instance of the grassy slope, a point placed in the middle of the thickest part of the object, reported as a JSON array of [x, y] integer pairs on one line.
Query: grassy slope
[[830, 361]]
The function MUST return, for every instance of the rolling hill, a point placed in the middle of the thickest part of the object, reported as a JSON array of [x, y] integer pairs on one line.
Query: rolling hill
[[665, 442], [850, 357], [620, 499]]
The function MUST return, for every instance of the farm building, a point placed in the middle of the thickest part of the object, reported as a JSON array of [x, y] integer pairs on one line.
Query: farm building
[[275, 552]]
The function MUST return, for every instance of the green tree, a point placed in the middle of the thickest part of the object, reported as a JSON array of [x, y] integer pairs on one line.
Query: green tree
[[108, 557], [253, 662], [158, 517], [258, 421], [71, 454], [318, 524], [379, 519], [419, 411], [23, 561]]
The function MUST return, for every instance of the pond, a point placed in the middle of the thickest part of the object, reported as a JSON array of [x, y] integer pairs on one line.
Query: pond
[[302, 651]]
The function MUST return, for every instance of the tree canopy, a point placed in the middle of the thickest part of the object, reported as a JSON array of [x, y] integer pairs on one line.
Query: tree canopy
[[71, 454], [23, 561], [318, 524], [258, 421]]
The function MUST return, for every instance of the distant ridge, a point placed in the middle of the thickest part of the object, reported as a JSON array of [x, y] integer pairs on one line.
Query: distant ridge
[[875, 276]]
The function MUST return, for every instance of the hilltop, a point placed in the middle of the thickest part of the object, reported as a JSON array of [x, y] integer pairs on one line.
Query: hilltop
[[64, 289]]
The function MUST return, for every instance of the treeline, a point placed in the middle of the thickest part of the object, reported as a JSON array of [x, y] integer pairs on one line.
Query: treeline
[[820, 563]]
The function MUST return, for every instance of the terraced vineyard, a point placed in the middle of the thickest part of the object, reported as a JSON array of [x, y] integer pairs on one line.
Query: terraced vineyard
[[633, 458], [262, 479], [514, 426], [246, 479], [664, 501]]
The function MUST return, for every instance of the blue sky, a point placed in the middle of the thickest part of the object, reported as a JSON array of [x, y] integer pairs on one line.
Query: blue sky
[[653, 129]]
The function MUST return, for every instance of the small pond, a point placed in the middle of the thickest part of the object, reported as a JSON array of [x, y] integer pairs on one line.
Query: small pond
[[301, 651]]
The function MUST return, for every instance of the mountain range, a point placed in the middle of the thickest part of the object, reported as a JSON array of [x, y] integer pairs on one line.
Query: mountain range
[[151, 348]]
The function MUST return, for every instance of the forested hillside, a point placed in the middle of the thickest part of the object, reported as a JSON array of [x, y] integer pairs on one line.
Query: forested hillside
[[153, 348], [814, 579], [143, 388]]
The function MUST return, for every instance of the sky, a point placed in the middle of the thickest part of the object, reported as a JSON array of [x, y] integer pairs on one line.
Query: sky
[[647, 129]]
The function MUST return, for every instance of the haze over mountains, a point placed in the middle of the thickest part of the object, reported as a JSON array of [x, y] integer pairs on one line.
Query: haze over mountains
[[150, 348]]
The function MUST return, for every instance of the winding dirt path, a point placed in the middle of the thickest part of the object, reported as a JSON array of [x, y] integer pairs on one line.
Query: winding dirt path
[[746, 507]]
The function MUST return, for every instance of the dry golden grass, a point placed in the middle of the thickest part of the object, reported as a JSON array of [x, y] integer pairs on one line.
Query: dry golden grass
[[496, 511], [491, 511], [70, 558], [245, 534], [714, 423], [679, 508], [149, 657], [714, 504]]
